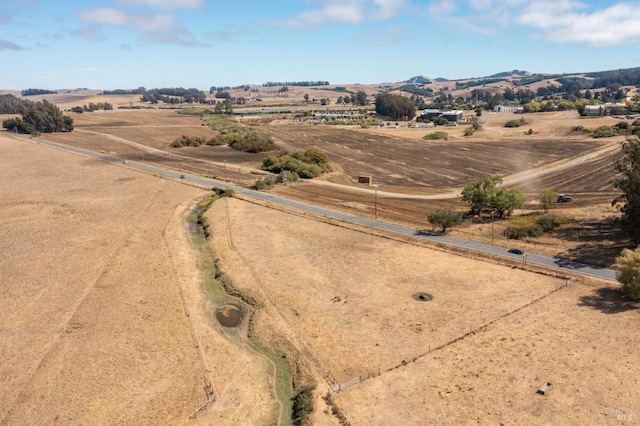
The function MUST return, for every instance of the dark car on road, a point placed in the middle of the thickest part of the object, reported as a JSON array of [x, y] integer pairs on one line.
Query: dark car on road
[[516, 251]]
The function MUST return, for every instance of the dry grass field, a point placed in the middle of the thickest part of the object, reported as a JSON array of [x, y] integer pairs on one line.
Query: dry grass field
[[343, 299], [106, 319]]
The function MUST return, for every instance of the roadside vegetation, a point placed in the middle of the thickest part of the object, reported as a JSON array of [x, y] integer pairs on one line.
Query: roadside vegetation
[[445, 219], [533, 226]]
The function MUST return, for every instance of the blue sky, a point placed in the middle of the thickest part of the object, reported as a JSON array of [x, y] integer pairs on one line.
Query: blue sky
[[112, 44]]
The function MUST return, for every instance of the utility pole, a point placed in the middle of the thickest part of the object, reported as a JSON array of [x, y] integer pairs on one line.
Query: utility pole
[[492, 214], [375, 200]]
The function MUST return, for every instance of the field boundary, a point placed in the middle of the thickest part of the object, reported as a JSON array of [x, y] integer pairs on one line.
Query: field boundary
[[336, 387]]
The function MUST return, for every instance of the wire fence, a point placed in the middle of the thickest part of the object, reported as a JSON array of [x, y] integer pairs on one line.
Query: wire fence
[[369, 373]]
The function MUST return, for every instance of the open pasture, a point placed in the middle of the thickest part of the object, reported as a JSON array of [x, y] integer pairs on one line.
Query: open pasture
[[345, 300]]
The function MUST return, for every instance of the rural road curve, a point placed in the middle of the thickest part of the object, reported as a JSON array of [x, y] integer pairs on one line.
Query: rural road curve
[[560, 264]]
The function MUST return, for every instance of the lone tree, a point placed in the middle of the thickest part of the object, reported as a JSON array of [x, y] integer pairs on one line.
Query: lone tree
[[546, 197], [629, 261], [628, 181], [483, 193], [479, 192], [445, 219]]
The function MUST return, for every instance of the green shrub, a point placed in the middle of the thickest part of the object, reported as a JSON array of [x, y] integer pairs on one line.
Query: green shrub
[[604, 132], [440, 121], [183, 140], [237, 136], [436, 136], [468, 132], [548, 223], [265, 183], [622, 125], [515, 123], [518, 233], [307, 165], [302, 406]]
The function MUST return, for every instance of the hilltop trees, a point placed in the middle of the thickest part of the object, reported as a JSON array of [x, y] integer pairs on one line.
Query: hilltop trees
[[43, 117], [396, 107]]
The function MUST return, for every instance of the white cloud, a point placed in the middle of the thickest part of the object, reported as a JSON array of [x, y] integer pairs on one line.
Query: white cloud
[[480, 4], [164, 4], [566, 21], [158, 28], [346, 11], [441, 8], [557, 21]]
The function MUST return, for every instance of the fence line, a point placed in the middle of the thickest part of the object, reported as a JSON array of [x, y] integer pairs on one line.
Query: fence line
[[338, 387]]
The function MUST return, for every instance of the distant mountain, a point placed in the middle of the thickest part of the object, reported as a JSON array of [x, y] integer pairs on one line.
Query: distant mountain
[[420, 79]]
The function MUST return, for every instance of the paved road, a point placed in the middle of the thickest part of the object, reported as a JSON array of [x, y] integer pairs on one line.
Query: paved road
[[531, 258]]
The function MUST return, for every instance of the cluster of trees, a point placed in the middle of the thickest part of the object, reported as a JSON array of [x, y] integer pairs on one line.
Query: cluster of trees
[[396, 107], [237, 136], [483, 194], [32, 92], [9, 104], [213, 89], [296, 83], [358, 98], [168, 95], [39, 117], [194, 141], [138, 91], [305, 165], [93, 107], [621, 128]]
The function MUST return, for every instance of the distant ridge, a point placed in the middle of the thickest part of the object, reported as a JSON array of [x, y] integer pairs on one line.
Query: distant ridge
[[517, 73]]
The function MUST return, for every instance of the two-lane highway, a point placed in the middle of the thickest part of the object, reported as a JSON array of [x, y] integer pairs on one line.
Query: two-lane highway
[[529, 258]]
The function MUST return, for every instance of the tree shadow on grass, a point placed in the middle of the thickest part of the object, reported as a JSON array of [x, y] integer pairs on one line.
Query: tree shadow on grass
[[609, 300], [599, 242]]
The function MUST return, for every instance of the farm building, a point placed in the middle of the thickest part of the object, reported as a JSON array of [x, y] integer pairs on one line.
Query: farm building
[[605, 109], [453, 115], [508, 108]]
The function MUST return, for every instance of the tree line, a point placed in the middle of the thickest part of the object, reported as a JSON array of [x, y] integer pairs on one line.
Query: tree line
[[296, 83], [33, 92], [39, 117]]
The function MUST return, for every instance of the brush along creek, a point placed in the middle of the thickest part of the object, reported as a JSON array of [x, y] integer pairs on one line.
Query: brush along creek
[[233, 313]]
